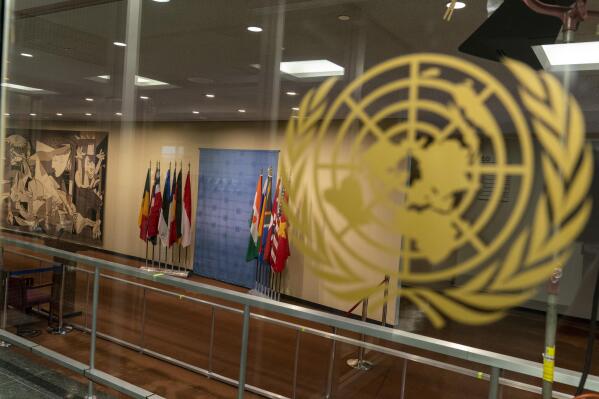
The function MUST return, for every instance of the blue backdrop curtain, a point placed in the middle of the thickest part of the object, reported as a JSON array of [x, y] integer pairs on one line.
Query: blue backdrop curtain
[[226, 187]]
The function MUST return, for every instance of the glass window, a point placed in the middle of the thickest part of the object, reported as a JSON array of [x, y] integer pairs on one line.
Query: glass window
[[305, 198]]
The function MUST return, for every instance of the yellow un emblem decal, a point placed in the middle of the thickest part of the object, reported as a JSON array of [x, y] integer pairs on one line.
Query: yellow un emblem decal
[[429, 160]]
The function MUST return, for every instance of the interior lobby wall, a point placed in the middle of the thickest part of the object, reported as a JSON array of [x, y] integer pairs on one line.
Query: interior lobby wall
[[130, 150]]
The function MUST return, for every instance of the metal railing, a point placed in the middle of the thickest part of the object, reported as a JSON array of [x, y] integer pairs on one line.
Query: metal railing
[[497, 363]]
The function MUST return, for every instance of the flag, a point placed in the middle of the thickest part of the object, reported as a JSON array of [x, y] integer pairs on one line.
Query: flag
[[172, 212], [265, 216], [280, 242], [271, 226], [179, 205], [166, 203], [252, 251], [156, 206], [144, 210], [280, 249], [186, 223]]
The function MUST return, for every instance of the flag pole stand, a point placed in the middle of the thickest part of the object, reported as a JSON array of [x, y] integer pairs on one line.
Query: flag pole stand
[[168, 269]]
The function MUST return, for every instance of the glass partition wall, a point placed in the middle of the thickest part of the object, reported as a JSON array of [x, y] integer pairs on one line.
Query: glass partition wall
[[297, 199]]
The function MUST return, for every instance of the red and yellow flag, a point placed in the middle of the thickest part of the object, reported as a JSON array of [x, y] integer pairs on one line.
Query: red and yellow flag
[[144, 210]]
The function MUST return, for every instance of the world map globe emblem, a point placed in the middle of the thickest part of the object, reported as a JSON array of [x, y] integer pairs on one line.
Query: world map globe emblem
[[404, 170]]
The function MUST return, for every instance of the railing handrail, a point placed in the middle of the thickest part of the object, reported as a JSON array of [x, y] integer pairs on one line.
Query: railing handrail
[[308, 330], [459, 351]]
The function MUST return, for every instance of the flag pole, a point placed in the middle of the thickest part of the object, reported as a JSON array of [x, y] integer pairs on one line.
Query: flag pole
[[186, 259], [173, 258], [276, 279], [146, 252], [179, 266], [187, 247], [261, 267], [153, 247], [166, 257], [270, 283], [145, 230], [159, 254], [179, 195], [279, 286]]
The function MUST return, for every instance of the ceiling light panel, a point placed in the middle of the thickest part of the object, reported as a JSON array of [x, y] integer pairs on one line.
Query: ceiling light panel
[[569, 56], [311, 68]]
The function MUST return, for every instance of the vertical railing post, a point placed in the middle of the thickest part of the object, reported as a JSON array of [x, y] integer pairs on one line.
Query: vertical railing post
[[403, 379], [86, 300], [143, 322], [61, 330], [5, 304], [386, 299], [210, 350], [494, 383], [296, 364], [244, 351], [329, 388], [549, 353], [92, 349], [6, 275]]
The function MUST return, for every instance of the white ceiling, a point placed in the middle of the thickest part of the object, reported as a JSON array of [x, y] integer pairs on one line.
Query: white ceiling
[[202, 46]]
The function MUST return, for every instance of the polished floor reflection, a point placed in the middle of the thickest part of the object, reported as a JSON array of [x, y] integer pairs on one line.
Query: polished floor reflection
[[181, 329]]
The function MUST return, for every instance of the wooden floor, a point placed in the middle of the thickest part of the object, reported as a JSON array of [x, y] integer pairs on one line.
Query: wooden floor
[[181, 329]]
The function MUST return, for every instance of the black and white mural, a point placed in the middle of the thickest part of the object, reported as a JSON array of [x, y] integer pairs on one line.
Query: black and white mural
[[54, 182]]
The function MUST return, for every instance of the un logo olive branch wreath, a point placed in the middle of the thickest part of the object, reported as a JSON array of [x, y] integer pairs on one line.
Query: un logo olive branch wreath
[[536, 251]]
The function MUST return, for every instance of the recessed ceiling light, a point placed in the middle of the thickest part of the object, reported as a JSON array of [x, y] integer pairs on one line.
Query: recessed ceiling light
[[88, 114], [295, 108], [89, 99], [343, 17], [27, 55], [210, 95], [291, 93], [33, 114], [58, 114], [311, 68], [458, 5], [120, 44], [195, 112], [241, 110], [20, 87], [118, 113], [254, 29], [571, 56], [144, 97], [162, 1]]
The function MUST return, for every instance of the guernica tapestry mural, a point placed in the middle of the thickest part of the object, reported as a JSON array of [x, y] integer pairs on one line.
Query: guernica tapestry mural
[[55, 183]]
